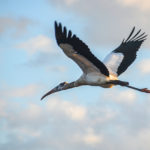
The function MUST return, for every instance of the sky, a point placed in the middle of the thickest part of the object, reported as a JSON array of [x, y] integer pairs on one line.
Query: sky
[[83, 118]]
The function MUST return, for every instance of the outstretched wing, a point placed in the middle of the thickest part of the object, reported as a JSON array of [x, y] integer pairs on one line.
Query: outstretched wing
[[78, 51], [122, 57]]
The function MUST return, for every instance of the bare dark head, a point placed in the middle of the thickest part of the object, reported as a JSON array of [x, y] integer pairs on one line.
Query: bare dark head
[[60, 87]]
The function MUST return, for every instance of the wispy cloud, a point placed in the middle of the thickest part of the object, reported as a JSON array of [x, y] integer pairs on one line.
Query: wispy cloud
[[15, 26], [66, 3], [108, 22], [19, 92], [42, 50], [144, 66], [60, 123], [70, 2], [40, 43], [92, 138], [71, 110], [125, 97], [57, 68], [143, 5]]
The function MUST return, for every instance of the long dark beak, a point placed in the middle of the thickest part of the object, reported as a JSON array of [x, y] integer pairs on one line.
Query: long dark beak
[[48, 93]]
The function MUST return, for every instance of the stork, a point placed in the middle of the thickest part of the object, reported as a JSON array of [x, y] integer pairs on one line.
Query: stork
[[95, 72]]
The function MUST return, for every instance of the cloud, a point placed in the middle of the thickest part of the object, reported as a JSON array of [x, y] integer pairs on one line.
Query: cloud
[[58, 123], [106, 23], [92, 138], [143, 137], [42, 51], [3, 105], [102, 114], [34, 122], [45, 59], [144, 66], [39, 43], [20, 92], [66, 3], [70, 2], [123, 97], [135, 141], [57, 68], [71, 110], [143, 5], [15, 26]]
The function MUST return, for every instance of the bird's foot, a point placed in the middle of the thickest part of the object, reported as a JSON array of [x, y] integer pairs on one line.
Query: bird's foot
[[145, 90]]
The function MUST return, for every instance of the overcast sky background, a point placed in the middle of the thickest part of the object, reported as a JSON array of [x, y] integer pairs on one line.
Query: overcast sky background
[[84, 118]]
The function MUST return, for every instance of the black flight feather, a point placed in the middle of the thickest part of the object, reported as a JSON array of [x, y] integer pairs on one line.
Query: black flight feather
[[78, 45], [129, 48]]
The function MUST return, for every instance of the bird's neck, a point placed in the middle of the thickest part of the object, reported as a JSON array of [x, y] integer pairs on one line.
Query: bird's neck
[[71, 85]]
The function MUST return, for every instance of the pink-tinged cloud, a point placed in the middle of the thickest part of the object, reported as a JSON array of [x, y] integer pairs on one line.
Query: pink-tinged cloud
[[144, 66], [143, 5]]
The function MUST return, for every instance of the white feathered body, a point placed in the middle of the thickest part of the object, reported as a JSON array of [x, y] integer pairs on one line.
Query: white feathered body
[[112, 61], [96, 79]]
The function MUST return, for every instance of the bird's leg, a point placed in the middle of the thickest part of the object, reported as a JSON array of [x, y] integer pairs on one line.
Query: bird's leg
[[126, 84], [145, 90], [118, 82]]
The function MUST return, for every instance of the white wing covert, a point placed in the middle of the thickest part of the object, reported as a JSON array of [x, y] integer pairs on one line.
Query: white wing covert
[[112, 62], [123, 56]]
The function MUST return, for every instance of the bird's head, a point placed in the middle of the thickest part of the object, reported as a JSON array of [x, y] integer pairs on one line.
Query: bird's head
[[60, 87]]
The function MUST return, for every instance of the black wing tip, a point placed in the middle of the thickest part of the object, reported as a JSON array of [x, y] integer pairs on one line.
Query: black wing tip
[[60, 32], [130, 34], [137, 37], [69, 34], [57, 24]]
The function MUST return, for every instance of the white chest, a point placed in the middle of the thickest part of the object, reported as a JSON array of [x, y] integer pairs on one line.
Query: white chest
[[94, 79]]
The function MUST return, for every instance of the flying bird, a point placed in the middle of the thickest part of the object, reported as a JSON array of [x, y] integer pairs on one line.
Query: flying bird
[[95, 72]]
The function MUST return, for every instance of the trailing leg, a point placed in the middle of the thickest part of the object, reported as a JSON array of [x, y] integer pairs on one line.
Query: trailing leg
[[126, 84]]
